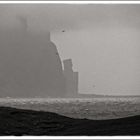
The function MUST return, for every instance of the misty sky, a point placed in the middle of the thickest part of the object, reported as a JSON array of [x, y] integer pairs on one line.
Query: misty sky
[[102, 40]]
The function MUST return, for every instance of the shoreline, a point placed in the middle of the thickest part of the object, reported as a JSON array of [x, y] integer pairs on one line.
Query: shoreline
[[21, 122]]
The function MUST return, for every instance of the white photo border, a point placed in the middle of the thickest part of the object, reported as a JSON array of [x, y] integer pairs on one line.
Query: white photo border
[[70, 137]]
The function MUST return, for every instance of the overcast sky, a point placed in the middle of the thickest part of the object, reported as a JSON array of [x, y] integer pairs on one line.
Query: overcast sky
[[102, 40]]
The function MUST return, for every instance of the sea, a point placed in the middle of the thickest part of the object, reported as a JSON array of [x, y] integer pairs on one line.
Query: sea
[[92, 108]]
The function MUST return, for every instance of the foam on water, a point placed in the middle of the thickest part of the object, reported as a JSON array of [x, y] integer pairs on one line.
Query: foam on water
[[93, 108]]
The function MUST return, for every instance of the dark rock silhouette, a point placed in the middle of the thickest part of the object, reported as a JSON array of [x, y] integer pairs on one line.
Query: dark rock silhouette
[[20, 122], [30, 65], [71, 79]]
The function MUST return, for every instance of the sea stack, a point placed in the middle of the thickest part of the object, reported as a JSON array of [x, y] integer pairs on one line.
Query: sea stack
[[71, 79], [30, 65]]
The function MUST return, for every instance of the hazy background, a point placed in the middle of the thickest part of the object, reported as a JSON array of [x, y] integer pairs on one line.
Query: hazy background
[[102, 40]]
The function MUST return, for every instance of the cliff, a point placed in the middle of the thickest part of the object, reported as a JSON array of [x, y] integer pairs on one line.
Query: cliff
[[71, 79], [30, 65]]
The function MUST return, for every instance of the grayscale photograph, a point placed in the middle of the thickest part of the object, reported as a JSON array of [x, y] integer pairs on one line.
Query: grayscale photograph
[[69, 69]]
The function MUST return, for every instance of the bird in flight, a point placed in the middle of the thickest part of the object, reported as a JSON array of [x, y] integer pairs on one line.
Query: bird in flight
[[63, 31]]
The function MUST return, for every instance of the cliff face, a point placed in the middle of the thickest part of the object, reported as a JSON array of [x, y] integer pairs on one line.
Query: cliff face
[[30, 66], [71, 79]]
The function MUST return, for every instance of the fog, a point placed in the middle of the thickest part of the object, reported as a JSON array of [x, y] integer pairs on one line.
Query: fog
[[102, 40]]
